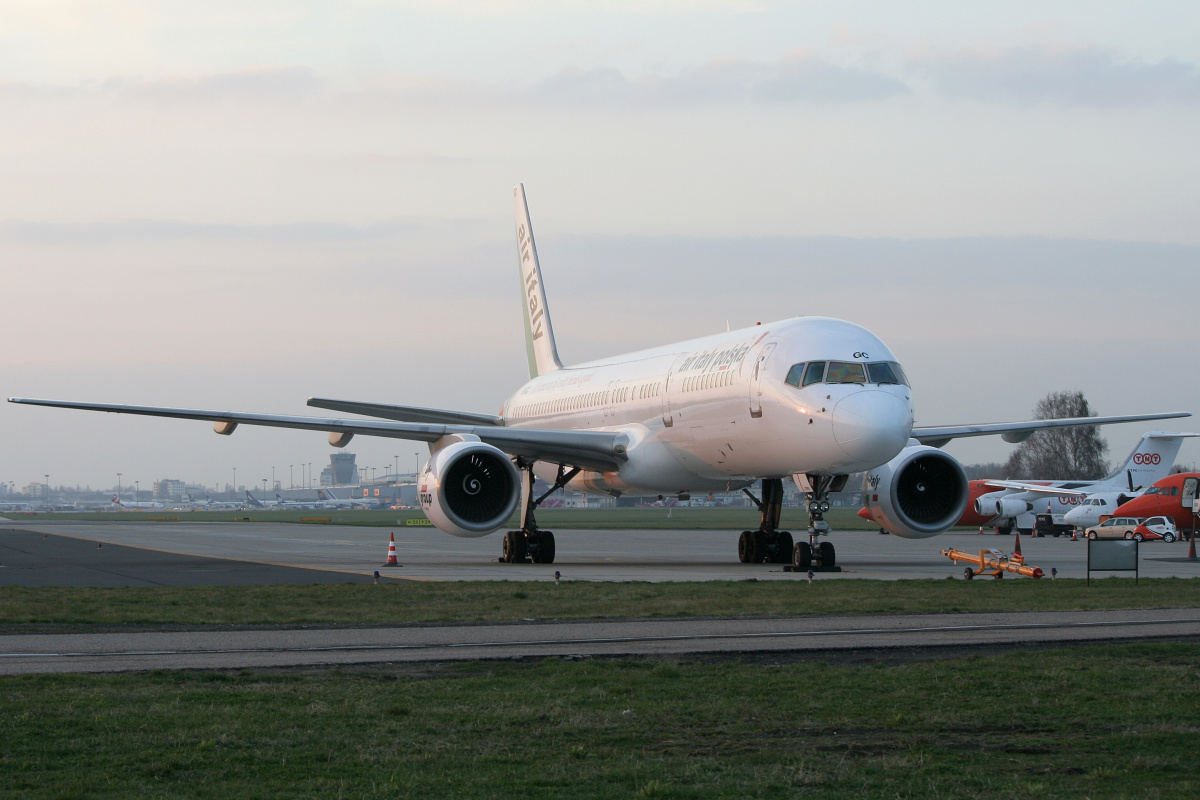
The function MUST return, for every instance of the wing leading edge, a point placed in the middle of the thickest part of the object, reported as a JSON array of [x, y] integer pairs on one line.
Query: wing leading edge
[[1015, 432], [587, 449]]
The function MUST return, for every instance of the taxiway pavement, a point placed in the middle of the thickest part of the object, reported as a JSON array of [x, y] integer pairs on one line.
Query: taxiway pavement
[[118, 652], [593, 555]]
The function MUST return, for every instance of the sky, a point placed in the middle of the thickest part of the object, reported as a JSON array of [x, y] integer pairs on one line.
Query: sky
[[242, 205]]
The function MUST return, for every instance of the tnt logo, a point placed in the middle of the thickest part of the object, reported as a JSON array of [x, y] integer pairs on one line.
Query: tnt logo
[[1147, 458]]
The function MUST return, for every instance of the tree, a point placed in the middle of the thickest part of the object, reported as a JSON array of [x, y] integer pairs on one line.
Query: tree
[[1061, 453]]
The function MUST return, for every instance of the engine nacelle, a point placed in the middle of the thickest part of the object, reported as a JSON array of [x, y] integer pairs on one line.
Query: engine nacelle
[[997, 504], [469, 489], [917, 494]]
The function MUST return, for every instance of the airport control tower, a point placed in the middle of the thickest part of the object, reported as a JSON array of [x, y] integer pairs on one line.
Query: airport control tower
[[341, 470]]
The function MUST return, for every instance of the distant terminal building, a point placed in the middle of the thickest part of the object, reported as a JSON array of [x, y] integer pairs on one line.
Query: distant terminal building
[[37, 491], [341, 470], [169, 489]]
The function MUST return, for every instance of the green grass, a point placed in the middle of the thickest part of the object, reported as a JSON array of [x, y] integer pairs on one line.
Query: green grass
[[368, 604], [1095, 722], [551, 518]]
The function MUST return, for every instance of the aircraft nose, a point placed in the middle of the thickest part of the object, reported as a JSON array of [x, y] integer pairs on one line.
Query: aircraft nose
[[872, 426]]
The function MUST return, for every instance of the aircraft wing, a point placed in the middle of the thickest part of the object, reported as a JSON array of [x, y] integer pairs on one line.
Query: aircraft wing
[[435, 416], [1015, 432], [1037, 487], [587, 449]]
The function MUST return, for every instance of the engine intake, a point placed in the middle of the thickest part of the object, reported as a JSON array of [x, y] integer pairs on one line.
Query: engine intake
[[469, 489], [997, 505], [917, 494]]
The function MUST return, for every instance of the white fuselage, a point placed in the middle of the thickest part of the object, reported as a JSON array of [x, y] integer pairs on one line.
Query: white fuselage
[[715, 413], [1095, 506]]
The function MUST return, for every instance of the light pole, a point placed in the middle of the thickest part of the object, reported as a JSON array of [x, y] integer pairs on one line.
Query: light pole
[[137, 486], [310, 474], [291, 477], [235, 482], [272, 477], [264, 487], [372, 474], [396, 470], [118, 487], [418, 469]]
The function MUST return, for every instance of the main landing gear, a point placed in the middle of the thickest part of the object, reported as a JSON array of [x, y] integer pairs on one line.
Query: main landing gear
[[772, 546], [766, 544], [530, 543]]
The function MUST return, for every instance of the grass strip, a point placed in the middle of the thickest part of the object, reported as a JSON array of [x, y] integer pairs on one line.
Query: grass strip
[[363, 604], [1107, 721]]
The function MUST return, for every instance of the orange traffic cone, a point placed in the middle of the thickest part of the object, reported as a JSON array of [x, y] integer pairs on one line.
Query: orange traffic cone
[[1192, 549], [1016, 553], [392, 562]]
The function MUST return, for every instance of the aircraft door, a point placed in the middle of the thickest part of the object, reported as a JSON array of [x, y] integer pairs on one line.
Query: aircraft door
[[755, 376], [668, 386], [610, 399], [1189, 492]]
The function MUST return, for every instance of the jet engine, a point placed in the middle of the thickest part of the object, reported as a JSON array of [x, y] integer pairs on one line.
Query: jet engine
[[997, 505], [469, 489], [917, 494]]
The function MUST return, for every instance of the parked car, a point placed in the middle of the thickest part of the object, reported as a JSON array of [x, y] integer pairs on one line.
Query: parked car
[[1156, 528], [1114, 528]]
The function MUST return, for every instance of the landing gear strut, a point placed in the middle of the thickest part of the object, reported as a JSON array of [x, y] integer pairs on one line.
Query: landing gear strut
[[766, 544], [814, 554], [530, 543]]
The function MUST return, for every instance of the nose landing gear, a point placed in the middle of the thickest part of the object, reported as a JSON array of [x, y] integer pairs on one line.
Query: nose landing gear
[[812, 554]]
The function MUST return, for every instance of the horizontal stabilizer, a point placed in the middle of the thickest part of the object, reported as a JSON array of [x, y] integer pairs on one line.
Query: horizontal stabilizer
[[435, 416]]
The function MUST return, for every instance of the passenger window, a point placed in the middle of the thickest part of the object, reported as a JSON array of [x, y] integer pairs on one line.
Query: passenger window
[[814, 373], [845, 372], [794, 374]]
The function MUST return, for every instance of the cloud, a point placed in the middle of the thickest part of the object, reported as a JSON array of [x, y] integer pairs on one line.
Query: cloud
[[797, 78], [1085, 76]]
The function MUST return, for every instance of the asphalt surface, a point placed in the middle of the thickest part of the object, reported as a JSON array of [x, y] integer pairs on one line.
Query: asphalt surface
[[172, 650], [593, 555], [30, 558]]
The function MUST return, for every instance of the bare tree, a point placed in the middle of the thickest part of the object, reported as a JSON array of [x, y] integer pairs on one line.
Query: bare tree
[[1061, 453]]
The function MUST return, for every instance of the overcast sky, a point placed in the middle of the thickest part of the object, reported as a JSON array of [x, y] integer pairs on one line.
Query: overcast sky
[[241, 205]]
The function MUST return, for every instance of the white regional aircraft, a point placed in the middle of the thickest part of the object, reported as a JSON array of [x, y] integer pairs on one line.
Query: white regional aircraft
[[810, 398], [1016, 503]]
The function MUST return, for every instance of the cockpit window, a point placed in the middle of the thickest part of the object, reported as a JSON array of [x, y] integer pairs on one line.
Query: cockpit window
[[793, 376], [881, 372], [814, 373], [845, 372]]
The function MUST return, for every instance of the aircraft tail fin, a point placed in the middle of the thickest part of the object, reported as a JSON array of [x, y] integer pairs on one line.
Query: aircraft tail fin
[[539, 334], [1151, 460], [254, 501]]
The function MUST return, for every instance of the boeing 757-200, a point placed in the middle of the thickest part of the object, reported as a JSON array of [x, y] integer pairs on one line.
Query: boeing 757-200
[[810, 398]]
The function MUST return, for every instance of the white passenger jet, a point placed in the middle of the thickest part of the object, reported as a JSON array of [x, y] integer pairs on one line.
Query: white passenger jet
[[810, 398]]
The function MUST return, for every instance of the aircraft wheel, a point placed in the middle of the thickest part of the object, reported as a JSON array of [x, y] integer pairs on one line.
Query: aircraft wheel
[[802, 555], [545, 548], [968, 574], [828, 556], [760, 547], [746, 547], [513, 551], [783, 548]]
